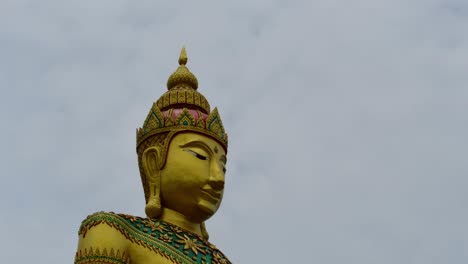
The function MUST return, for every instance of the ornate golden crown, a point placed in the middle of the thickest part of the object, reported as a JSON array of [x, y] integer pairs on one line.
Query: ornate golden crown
[[182, 108]]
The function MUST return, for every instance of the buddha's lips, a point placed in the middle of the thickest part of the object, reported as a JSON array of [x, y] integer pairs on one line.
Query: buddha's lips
[[215, 195]]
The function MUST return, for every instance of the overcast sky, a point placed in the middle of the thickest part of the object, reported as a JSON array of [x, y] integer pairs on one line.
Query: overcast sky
[[347, 123]]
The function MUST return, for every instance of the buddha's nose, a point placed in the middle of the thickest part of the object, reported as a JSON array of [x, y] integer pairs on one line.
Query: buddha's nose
[[217, 178]]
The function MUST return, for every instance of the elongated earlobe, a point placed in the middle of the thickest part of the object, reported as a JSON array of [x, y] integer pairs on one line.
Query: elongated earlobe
[[152, 168], [153, 206]]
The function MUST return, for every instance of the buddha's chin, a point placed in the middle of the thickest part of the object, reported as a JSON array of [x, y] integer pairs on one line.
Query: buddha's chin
[[207, 208]]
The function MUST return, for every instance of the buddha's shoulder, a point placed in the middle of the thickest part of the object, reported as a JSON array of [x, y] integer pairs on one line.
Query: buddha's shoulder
[[99, 220]]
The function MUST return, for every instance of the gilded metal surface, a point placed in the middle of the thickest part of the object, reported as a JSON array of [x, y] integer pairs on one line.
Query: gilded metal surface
[[182, 94], [182, 77], [181, 150]]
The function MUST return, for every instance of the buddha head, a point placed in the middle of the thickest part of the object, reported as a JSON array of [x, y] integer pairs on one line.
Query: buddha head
[[182, 150]]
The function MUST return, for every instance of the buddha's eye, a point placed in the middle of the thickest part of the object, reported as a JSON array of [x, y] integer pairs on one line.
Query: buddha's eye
[[196, 154]]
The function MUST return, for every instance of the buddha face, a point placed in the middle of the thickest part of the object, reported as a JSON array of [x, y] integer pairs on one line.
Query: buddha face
[[192, 181]]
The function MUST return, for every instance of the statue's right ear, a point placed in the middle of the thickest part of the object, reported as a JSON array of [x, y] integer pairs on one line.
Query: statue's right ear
[[152, 160]]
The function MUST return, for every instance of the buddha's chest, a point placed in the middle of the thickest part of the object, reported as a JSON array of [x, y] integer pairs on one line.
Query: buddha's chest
[[160, 242], [141, 255]]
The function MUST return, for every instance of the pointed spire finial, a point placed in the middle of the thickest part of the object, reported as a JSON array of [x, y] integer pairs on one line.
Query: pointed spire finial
[[182, 77], [183, 56]]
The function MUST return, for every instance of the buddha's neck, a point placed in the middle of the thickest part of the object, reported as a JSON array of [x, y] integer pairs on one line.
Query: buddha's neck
[[180, 220]]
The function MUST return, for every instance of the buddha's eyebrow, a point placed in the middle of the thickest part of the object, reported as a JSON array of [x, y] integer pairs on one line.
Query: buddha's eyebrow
[[196, 143]]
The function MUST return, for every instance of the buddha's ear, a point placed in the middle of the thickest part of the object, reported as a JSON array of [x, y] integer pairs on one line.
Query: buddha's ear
[[152, 159]]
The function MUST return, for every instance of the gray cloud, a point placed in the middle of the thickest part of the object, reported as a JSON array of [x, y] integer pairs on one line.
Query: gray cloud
[[346, 119]]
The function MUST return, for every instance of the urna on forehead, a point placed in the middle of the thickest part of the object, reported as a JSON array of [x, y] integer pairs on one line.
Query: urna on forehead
[[182, 108]]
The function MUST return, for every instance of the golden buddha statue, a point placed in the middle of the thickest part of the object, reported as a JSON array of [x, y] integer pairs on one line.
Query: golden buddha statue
[[182, 156]]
